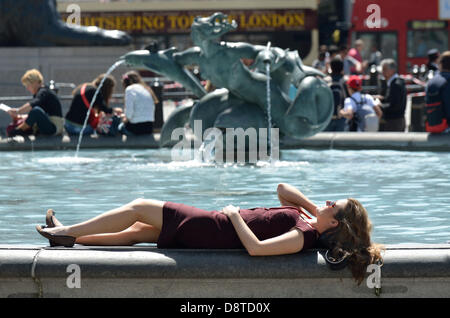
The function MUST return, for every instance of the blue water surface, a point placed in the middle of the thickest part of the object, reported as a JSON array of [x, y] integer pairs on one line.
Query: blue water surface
[[407, 194]]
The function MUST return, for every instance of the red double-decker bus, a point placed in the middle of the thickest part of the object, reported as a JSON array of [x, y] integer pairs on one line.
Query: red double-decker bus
[[404, 30]]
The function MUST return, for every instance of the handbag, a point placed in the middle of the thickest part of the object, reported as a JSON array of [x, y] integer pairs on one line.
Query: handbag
[[108, 124], [16, 123]]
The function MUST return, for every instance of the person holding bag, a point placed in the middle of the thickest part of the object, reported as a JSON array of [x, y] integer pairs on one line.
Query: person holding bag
[[82, 99], [360, 108]]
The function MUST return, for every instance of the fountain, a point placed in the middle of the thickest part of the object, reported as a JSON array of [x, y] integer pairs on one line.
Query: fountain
[[256, 98], [245, 98], [400, 208]]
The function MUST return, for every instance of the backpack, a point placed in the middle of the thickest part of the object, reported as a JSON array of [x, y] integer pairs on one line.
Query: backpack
[[339, 95], [369, 121]]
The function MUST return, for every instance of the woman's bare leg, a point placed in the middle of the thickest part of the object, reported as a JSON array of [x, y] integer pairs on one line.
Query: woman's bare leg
[[137, 233], [145, 211]]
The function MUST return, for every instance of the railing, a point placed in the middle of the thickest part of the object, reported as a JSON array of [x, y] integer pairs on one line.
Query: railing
[[167, 93]]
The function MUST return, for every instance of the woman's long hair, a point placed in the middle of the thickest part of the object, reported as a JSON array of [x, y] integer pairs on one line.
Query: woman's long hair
[[132, 77], [107, 87], [350, 240]]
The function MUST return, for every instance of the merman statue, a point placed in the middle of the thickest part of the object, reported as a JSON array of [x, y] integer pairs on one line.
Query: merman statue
[[240, 99]]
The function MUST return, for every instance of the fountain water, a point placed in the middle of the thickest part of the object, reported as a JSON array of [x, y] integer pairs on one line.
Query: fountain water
[[269, 105], [400, 209], [207, 151], [110, 70], [269, 116]]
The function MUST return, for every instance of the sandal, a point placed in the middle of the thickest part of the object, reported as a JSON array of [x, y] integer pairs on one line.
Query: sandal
[[56, 240]]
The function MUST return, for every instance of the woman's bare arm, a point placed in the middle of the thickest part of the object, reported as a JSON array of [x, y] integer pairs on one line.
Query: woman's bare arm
[[289, 195], [287, 243]]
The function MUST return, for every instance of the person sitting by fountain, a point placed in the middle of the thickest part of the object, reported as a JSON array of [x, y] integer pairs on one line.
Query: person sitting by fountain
[[82, 99], [360, 108], [139, 110], [44, 110], [343, 227]]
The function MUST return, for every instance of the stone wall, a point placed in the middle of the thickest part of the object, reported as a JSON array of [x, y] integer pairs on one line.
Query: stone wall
[[61, 64], [145, 271]]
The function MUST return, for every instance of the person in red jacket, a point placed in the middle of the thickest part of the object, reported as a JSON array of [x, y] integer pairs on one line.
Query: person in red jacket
[[437, 98]]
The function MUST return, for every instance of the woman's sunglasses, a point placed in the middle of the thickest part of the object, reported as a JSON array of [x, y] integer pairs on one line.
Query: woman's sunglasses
[[331, 203]]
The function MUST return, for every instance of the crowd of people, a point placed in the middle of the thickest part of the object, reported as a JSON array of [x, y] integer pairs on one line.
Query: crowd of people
[[355, 111], [43, 114]]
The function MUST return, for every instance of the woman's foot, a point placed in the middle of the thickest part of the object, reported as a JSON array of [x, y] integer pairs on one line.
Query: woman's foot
[[57, 230], [56, 239]]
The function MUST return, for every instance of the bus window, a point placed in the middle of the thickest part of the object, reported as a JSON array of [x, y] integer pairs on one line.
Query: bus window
[[420, 41], [384, 42], [389, 45]]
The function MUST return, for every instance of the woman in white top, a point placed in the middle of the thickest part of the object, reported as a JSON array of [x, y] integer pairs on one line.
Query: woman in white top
[[140, 103], [360, 108]]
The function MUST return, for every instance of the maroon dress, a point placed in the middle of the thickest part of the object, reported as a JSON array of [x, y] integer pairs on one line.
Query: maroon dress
[[186, 226]]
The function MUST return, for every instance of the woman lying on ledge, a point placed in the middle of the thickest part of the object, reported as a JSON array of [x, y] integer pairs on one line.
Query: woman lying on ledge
[[342, 226]]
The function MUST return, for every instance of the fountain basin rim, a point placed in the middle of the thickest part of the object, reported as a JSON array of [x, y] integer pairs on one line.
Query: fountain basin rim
[[416, 141], [414, 270]]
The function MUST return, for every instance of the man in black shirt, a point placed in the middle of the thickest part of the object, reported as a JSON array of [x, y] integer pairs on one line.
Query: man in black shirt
[[394, 100], [44, 110]]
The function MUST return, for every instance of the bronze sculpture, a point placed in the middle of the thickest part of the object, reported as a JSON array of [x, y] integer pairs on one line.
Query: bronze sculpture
[[241, 100]]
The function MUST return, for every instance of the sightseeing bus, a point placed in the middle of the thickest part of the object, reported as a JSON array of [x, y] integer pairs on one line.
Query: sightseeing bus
[[285, 23], [404, 30]]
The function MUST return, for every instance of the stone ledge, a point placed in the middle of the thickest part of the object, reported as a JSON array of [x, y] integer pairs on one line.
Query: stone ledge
[[70, 143], [416, 141], [145, 271]]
